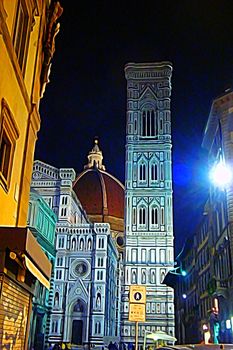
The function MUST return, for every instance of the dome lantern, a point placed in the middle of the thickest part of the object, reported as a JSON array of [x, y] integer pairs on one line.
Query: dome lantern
[[95, 157]]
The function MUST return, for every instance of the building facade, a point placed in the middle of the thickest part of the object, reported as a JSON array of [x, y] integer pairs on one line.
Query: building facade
[[148, 197], [85, 284], [27, 30], [207, 287], [217, 141], [42, 223]]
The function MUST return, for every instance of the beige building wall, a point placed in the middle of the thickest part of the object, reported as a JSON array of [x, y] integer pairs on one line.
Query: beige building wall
[[27, 33], [26, 50]]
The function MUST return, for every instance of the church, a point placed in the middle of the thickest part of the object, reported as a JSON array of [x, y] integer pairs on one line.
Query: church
[[110, 237], [89, 243]]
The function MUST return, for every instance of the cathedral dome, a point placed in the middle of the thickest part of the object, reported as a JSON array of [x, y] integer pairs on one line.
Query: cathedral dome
[[100, 193]]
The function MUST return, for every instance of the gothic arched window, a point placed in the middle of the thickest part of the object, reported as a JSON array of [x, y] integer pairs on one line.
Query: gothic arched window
[[98, 301], [89, 245], [154, 216], [152, 277], [56, 299], [142, 216], [81, 244], [134, 277], [162, 275], [154, 172], [149, 123], [73, 244], [142, 172], [143, 276]]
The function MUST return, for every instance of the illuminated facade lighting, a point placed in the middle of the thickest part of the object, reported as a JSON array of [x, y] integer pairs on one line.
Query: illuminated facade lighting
[[221, 175]]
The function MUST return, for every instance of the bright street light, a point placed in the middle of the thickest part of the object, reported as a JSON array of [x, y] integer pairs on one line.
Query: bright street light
[[221, 175]]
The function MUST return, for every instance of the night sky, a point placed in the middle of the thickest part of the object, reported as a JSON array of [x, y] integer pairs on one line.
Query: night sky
[[87, 93]]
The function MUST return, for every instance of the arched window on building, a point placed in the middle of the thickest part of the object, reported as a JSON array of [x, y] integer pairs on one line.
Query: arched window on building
[[154, 172], [142, 216], [143, 277], [152, 276], [73, 244], [56, 299], [98, 301], [81, 244], [142, 172], [154, 216], [89, 244], [149, 123], [162, 275], [134, 277]]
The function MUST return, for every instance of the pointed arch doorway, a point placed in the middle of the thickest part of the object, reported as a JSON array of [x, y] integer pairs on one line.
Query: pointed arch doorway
[[78, 325], [77, 330]]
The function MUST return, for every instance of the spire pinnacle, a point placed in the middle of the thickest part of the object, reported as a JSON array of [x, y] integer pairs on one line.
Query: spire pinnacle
[[95, 157]]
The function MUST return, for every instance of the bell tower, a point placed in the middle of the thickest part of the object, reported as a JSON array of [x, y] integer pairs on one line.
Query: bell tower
[[148, 196]]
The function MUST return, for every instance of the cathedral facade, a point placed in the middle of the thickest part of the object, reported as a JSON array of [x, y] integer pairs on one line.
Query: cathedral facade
[[148, 197], [85, 302]]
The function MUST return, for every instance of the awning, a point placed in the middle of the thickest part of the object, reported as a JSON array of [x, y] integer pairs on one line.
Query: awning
[[21, 241], [36, 272], [160, 335]]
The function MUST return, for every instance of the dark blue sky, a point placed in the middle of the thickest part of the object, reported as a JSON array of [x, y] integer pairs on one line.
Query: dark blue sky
[[87, 93]]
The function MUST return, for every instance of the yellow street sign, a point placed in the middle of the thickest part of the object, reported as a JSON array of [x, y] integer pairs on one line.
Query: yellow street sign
[[137, 294], [137, 312]]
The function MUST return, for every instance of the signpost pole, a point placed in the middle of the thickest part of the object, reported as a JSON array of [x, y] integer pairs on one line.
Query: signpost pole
[[136, 335]]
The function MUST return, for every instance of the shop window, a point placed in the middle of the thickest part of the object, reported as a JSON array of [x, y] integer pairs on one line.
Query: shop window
[[8, 136]]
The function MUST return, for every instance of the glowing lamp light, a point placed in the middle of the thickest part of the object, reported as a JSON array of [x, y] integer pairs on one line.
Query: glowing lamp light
[[184, 296], [221, 175], [205, 327], [183, 273]]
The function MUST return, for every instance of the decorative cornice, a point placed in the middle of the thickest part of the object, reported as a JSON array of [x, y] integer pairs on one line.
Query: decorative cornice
[[141, 71]]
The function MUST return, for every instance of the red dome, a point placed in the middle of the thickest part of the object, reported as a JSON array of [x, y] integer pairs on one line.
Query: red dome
[[102, 197]]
